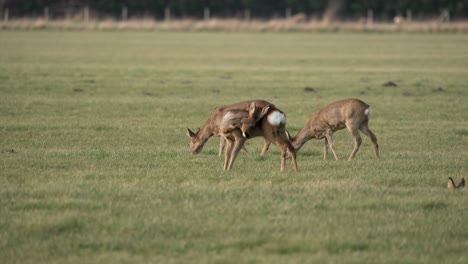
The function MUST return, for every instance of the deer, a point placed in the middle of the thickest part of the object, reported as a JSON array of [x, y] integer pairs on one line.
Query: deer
[[348, 113], [274, 126], [241, 121]]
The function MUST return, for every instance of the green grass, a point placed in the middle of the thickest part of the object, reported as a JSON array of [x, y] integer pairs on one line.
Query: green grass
[[94, 165]]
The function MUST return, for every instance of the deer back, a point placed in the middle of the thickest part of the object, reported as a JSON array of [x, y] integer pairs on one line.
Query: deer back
[[336, 115]]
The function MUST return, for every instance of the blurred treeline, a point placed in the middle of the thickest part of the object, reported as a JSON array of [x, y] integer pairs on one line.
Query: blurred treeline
[[344, 9]]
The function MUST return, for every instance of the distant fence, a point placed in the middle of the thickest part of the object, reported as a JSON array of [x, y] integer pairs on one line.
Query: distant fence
[[83, 17], [85, 13]]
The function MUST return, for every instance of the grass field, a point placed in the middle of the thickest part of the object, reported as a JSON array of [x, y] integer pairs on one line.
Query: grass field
[[95, 167]]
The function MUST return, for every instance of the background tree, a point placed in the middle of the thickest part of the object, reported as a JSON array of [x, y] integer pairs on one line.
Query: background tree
[[332, 11], [329, 10]]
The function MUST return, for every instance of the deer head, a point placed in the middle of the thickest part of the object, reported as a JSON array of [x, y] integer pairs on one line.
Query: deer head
[[195, 144]]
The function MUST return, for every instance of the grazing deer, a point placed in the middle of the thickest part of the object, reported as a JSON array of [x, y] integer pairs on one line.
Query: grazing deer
[[350, 113], [271, 126], [272, 129]]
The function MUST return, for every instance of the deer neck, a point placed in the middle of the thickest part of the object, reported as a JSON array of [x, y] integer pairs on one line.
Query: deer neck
[[301, 138], [207, 131]]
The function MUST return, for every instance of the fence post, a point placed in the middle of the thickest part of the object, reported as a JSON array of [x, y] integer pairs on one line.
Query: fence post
[[167, 14], [287, 13], [86, 13], [247, 14], [409, 15], [46, 13], [206, 13], [5, 14], [124, 13], [370, 17]]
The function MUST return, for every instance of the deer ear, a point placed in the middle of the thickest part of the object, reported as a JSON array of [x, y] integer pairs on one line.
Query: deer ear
[[461, 184], [190, 133], [263, 112], [252, 109], [450, 183]]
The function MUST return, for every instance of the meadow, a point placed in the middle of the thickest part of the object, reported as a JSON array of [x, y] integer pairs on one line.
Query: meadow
[[95, 168]]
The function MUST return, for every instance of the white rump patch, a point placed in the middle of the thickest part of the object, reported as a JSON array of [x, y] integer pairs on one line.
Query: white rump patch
[[367, 111], [276, 118]]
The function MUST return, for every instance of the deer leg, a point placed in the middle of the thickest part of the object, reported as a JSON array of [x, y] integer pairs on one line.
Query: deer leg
[[283, 158], [287, 148], [245, 150], [284, 155], [227, 153], [331, 143], [283, 149], [325, 149], [266, 146], [365, 129], [357, 142], [292, 154], [238, 144], [221, 145]]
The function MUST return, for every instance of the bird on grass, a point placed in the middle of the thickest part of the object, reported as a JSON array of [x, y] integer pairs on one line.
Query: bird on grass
[[451, 183]]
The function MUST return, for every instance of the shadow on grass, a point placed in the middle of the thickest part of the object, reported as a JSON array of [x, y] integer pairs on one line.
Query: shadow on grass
[[336, 247]]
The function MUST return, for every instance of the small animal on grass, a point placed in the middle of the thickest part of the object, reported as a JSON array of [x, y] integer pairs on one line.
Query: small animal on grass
[[451, 183], [272, 127], [348, 113]]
